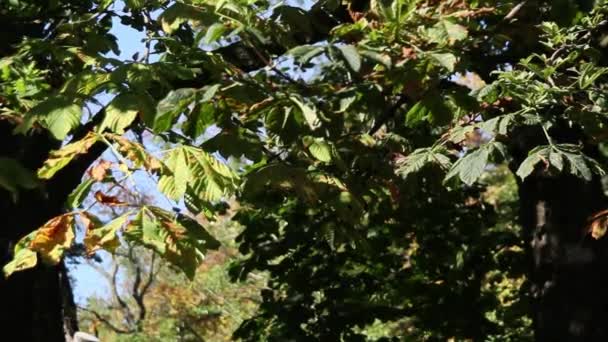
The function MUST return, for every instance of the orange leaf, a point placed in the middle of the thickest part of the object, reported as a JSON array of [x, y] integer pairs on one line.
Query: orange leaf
[[54, 237], [98, 172], [108, 200]]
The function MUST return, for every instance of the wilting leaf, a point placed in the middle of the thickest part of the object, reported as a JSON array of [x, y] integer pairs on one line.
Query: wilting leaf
[[54, 237], [108, 200], [99, 171], [60, 158]]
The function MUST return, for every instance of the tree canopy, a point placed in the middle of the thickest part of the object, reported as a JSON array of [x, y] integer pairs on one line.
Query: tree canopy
[[365, 143]]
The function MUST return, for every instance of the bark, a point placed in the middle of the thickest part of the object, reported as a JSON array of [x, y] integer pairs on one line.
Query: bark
[[568, 269], [38, 303]]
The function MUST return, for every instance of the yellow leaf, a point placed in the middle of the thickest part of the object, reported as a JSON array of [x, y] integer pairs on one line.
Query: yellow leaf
[[54, 237]]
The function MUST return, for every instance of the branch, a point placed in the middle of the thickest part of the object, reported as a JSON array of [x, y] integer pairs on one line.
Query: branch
[[105, 321], [387, 115]]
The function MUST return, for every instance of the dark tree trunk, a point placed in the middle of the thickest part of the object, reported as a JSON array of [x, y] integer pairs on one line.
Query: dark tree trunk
[[568, 268], [37, 303]]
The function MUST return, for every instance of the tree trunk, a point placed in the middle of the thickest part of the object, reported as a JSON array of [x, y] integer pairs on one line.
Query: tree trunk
[[568, 268]]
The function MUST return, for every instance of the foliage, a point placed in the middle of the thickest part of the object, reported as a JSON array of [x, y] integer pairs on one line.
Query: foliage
[[362, 191], [208, 308]]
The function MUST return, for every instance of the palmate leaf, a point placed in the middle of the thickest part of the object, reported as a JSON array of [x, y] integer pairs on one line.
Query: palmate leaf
[[422, 157], [123, 109], [192, 168], [58, 114], [564, 158], [178, 239], [470, 167]]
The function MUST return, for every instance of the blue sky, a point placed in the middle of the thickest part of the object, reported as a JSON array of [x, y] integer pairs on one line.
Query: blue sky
[[88, 282]]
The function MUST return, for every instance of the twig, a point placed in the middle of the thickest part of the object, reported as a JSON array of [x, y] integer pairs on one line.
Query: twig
[[513, 12], [387, 115]]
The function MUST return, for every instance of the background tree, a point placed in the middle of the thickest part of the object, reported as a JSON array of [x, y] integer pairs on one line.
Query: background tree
[[150, 301]]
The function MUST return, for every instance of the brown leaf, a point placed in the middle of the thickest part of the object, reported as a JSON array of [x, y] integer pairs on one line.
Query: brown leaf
[[54, 237], [108, 200], [98, 172]]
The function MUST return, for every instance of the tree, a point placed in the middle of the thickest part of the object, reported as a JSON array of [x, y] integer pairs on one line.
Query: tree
[[164, 305], [366, 129]]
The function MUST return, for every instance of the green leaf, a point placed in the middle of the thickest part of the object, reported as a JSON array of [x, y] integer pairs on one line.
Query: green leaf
[[104, 237], [377, 57], [578, 166], [191, 168], [146, 229], [455, 32], [214, 32], [418, 113], [59, 115], [282, 178], [540, 153], [310, 115], [304, 53], [556, 159], [135, 4], [23, 260], [431, 108], [14, 176], [174, 184], [79, 194], [123, 110], [320, 150], [178, 239], [470, 167], [446, 60], [351, 55], [169, 108], [422, 157]]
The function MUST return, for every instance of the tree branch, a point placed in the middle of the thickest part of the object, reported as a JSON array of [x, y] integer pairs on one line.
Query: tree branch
[[106, 321]]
